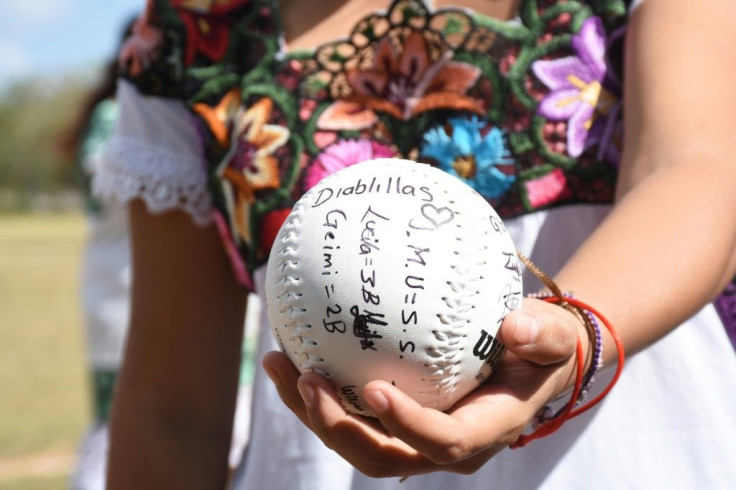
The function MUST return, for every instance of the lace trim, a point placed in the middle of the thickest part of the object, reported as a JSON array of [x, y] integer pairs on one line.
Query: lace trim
[[163, 179]]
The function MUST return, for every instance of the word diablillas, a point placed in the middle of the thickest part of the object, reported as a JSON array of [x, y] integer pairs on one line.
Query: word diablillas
[[384, 185]]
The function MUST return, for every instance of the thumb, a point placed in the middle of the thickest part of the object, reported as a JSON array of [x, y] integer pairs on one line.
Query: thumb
[[540, 332]]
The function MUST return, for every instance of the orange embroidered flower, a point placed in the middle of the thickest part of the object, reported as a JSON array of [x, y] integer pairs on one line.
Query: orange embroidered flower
[[250, 165], [403, 85], [221, 117]]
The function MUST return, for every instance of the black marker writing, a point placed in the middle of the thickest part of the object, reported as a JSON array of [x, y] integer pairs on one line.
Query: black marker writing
[[361, 326]]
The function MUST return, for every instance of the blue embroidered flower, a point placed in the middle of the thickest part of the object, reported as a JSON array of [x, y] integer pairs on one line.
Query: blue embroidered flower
[[471, 156]]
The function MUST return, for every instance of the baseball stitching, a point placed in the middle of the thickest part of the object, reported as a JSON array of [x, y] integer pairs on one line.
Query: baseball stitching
[[459, 300], [289, 296]]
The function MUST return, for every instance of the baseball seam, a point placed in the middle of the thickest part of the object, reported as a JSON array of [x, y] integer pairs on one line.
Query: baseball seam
[[462, 289], [289, 296]]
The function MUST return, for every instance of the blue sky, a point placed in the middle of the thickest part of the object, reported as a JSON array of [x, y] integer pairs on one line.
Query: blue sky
[[57, 37]]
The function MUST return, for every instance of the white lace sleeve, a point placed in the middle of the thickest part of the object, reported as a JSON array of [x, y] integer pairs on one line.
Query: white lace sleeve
[[155, 155]]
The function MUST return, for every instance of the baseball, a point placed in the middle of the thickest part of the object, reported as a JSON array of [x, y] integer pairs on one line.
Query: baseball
[[394, 270]]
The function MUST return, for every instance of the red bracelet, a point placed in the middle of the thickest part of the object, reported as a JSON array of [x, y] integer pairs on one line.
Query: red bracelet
[[568, 412]]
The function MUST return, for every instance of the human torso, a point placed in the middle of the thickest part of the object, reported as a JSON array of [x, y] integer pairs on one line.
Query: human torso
[[520, 101]]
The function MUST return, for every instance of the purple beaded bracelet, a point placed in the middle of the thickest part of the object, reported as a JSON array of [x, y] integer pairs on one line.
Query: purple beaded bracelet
[[597, 361]]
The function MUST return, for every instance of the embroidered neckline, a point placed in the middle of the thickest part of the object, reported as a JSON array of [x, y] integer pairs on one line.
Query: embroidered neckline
[[285, 52], [527, 111]]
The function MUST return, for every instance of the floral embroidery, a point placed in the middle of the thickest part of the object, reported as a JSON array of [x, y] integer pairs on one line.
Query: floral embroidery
[[196, 50], [270, 226], [471, 155], [546, 189], [343, 154], [577, 92], [220, 118], [250, 165], [403, 85], [526, 112], [236, 262], [207, 24], [725, 305], [347, 115], [141, 47]]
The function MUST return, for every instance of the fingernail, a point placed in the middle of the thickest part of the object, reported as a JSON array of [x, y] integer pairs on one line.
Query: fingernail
[[527, 329], [306, 390], [377, 400]]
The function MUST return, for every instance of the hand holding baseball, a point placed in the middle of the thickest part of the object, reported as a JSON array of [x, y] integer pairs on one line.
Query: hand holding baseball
[[411, 439]]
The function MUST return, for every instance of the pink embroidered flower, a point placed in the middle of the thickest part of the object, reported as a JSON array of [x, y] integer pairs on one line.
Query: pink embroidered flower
[[236, 261], [402, 85], [578, 95], [546, 189], [343, 154]]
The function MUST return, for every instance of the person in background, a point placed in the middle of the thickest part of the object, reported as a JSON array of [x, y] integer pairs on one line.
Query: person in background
[[105, 274], [106, 282]]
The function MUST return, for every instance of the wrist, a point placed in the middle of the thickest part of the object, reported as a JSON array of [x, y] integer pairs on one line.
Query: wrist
[[586, 362]]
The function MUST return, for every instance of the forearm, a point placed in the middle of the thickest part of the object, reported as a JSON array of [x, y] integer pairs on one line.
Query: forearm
[[667, 248], [163, 449], [174, 404], [171, 434]]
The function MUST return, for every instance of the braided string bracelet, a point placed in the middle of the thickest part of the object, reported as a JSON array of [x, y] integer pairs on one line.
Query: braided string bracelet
[[596, 338], [587, 314]]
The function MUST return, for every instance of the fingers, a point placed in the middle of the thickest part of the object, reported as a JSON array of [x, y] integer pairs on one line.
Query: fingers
[[284, 375], [540, 332], [406, 438], [362, 441], [435, 434], [461, 440]]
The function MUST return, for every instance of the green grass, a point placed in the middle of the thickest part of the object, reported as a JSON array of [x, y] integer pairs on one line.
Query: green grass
[[44, 403], [51, 483]]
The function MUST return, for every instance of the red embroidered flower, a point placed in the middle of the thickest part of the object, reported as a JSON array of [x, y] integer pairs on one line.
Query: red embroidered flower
[[270, 227], [207, 23]]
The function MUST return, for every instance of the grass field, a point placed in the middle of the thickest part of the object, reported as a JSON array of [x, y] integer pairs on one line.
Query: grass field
[[43, 384]]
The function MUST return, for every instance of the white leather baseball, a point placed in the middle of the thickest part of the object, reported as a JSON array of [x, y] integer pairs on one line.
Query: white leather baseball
[[394, 270]]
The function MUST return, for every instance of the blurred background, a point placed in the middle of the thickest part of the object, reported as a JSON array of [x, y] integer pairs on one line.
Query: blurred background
[[52, 52]]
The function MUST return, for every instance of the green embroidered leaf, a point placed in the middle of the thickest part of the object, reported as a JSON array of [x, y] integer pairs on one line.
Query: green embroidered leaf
[[520, 143]]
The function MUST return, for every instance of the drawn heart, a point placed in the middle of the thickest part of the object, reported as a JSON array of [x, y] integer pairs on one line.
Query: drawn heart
[[437, 216]]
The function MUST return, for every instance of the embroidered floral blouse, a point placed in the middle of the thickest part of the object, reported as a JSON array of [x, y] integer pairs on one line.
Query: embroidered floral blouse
[[527, 112]]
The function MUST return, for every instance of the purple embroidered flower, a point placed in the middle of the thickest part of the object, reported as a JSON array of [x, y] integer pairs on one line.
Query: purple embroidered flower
[[577, 93]]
